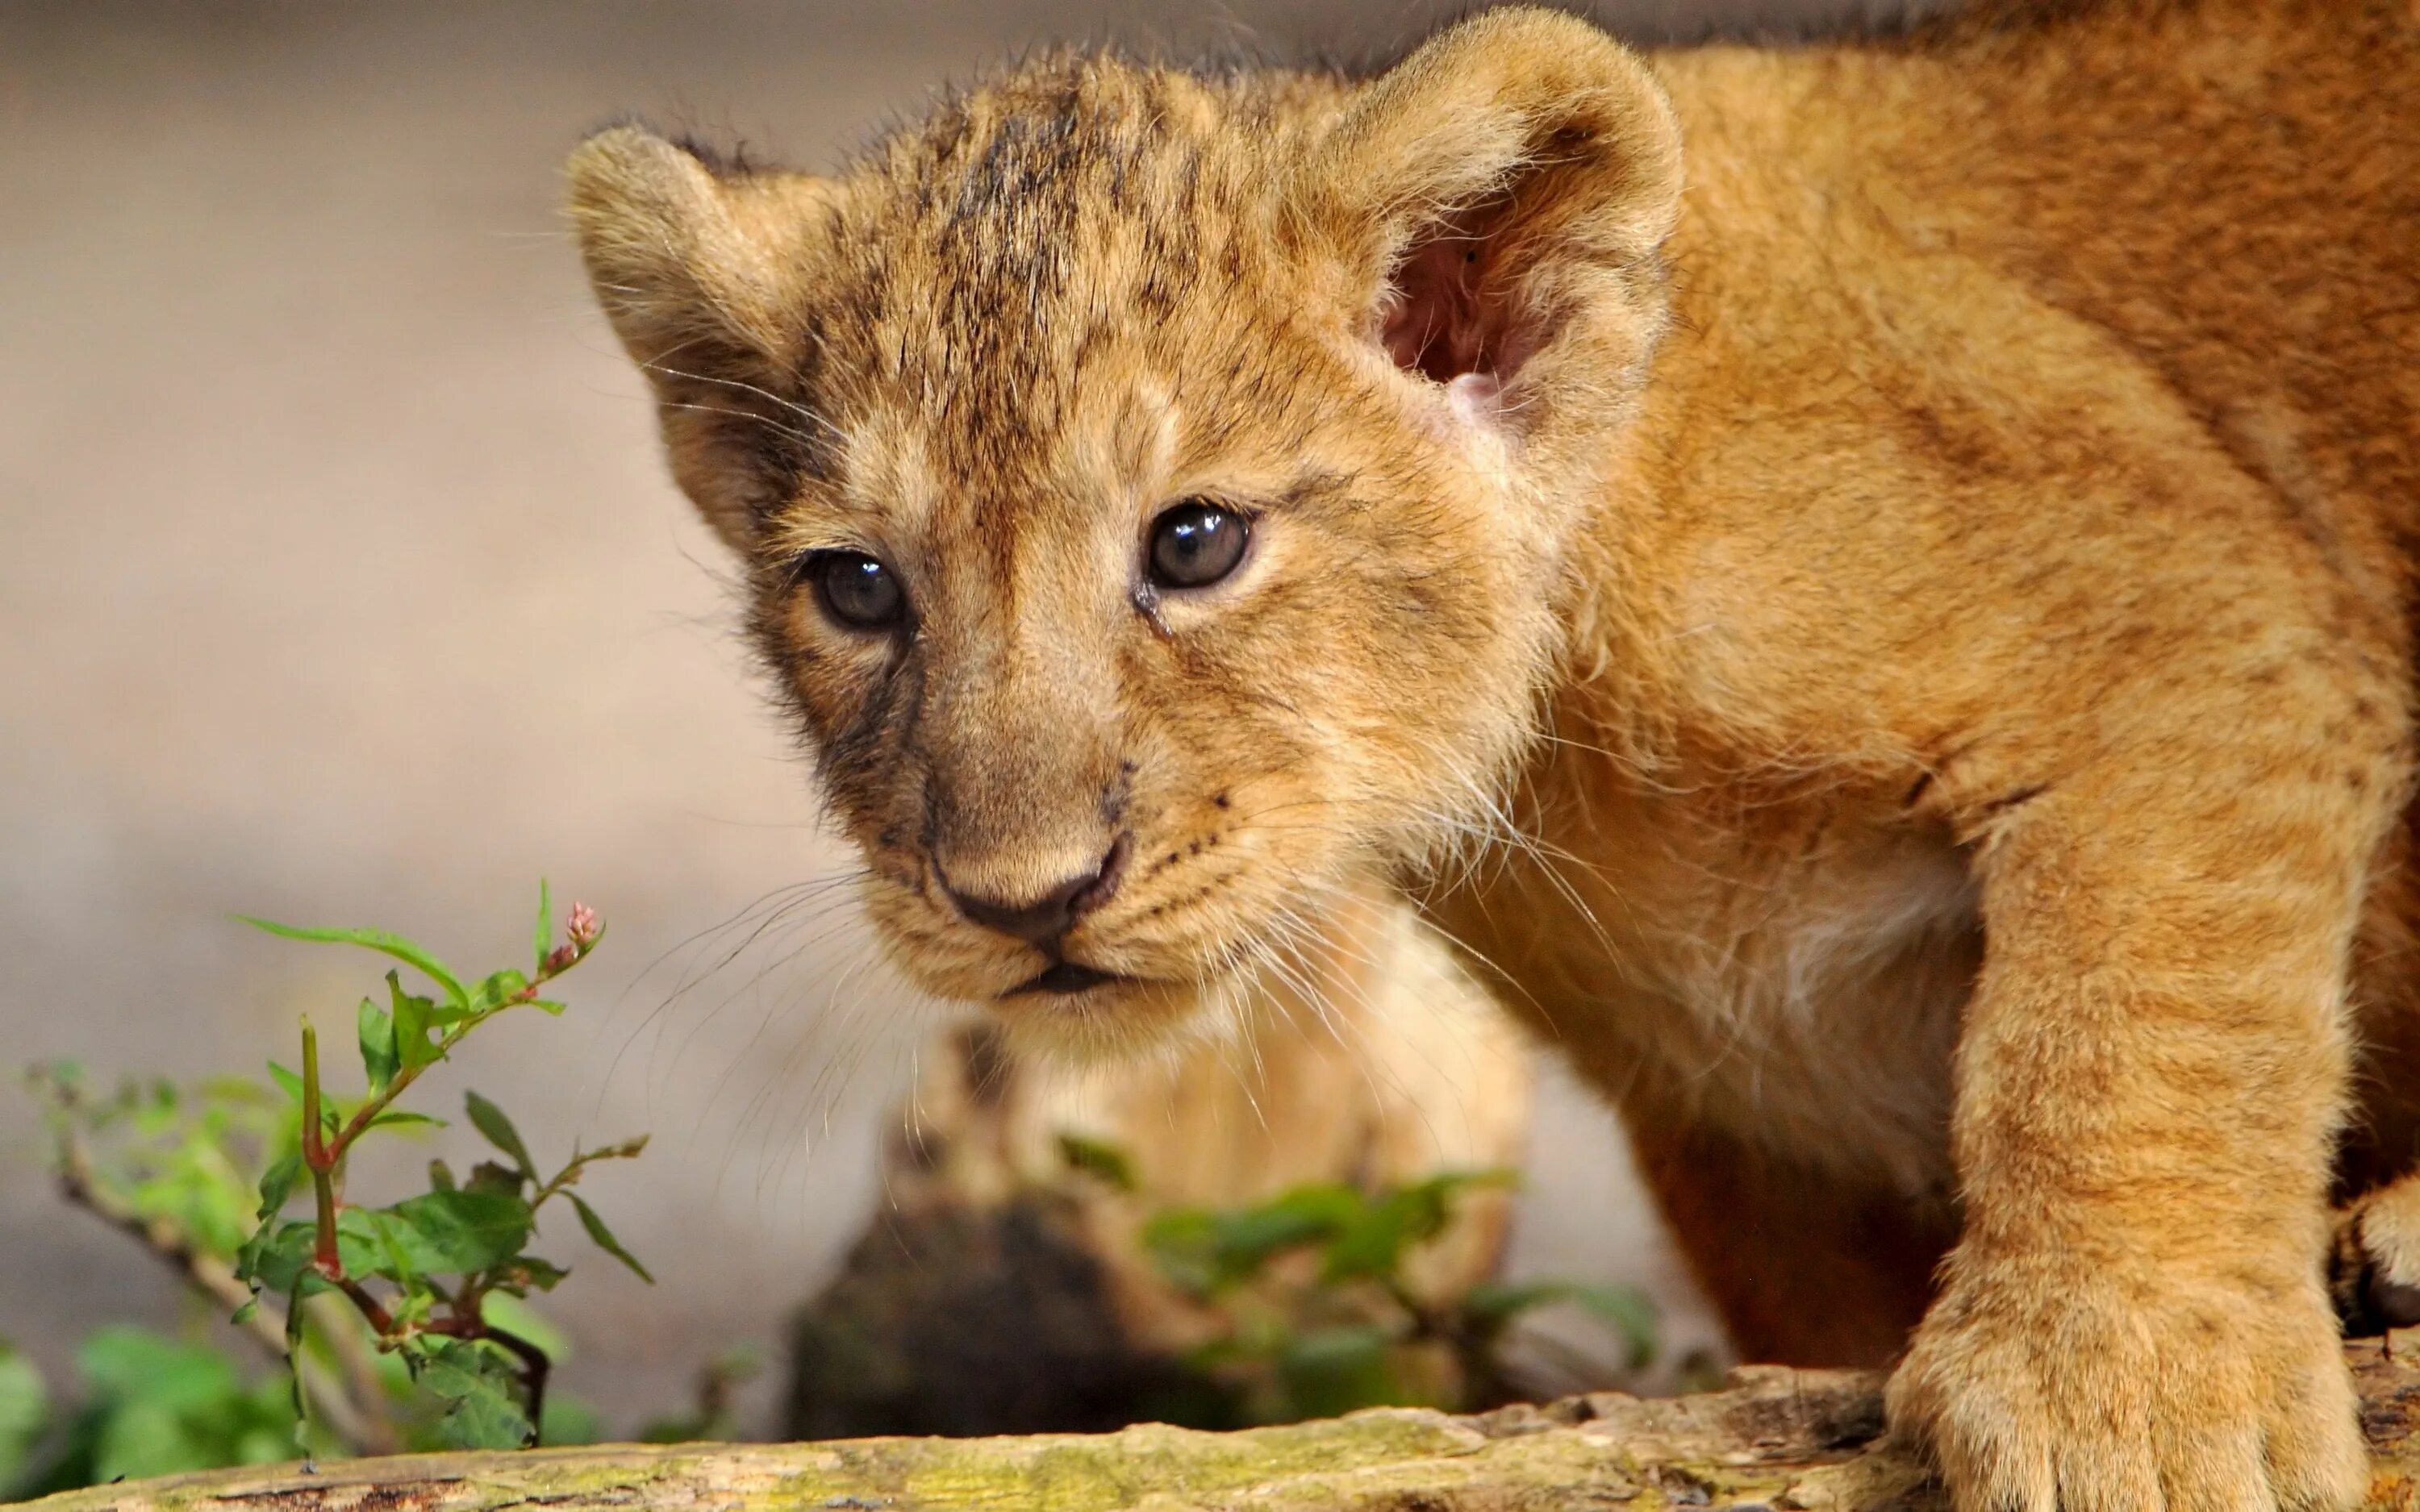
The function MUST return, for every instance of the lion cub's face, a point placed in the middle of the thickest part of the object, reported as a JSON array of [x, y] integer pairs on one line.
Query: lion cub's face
[[1154, 491]]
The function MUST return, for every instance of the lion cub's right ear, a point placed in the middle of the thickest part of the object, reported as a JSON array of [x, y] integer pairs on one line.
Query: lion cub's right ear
[[1496, 201], [706, 273]]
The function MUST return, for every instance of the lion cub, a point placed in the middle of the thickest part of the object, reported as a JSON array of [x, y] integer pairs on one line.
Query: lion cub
[[1867, 584]]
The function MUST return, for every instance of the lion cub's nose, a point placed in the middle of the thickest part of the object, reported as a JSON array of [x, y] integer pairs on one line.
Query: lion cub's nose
[[1043, 921]]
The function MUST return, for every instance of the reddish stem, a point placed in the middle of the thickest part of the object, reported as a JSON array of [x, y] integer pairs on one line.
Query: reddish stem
[[372, 1311], [325, 1257]]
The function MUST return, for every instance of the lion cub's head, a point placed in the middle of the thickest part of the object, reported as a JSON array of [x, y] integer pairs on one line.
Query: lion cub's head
[[1153, 488]]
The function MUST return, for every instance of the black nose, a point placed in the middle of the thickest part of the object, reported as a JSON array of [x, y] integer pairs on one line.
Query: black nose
[[1042, 922]]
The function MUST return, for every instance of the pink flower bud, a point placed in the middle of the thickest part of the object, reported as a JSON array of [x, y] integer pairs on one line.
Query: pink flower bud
[[583, 925]]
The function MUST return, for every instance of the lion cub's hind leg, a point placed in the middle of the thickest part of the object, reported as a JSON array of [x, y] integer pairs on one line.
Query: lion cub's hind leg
[[2374, 1268]]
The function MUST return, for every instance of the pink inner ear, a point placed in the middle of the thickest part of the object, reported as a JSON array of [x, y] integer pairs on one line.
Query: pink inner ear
[[1452, 306]]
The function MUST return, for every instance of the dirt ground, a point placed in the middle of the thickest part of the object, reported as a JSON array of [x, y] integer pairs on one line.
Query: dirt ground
[[340, 583]]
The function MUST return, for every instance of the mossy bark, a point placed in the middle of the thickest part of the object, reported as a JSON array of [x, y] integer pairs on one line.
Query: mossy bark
[[1772, 1439]]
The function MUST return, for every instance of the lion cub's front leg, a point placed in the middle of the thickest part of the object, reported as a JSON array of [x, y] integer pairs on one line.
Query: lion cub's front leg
[[2151, 1075]]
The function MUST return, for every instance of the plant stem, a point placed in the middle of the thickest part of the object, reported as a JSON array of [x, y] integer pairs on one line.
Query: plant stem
[[373, 1311], [535, 1368], [325, 1255]]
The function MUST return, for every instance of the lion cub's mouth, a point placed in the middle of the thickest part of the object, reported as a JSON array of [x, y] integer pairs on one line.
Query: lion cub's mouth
[[1061, 977]]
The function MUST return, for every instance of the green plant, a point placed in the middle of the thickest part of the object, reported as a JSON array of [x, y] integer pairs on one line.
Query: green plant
[[401, 1326], [1320, 1317], [153, 1405]]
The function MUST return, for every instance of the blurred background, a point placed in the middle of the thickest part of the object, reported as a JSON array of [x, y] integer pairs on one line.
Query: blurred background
[[341, 582]]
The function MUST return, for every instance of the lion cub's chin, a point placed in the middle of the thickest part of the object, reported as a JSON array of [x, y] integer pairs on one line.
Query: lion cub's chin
[[1117, 1021]]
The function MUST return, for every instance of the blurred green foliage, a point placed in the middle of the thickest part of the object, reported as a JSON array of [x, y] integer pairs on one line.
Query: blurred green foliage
[[1322, 1317]]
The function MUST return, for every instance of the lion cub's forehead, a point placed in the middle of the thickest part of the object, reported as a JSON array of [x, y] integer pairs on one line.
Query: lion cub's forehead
[[934, 500], [1079, 214]]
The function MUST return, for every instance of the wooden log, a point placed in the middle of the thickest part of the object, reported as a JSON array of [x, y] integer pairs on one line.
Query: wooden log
[[1793, 1441]]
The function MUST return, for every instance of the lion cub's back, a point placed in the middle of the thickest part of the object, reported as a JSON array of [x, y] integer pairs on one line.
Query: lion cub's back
[[2233, 189]]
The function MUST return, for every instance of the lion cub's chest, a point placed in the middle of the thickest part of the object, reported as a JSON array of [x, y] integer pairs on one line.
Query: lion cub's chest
[[1793, 971]]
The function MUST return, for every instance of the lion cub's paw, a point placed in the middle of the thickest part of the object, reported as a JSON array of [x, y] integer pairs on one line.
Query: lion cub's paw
[[2059, 1389], [2374, 1273]]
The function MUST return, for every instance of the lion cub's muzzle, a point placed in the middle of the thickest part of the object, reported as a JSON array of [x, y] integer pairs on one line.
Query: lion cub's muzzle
[[1045, 921]]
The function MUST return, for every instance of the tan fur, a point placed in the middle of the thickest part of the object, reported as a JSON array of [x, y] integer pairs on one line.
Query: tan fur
[[1896, 655]]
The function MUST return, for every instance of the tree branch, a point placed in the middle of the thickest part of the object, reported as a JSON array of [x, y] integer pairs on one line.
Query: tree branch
[[1772, 1439]]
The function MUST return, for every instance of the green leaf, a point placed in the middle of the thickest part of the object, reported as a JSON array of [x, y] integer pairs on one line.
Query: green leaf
[[440, 1177], [497, 991], [379, 940], [156, 1406], [370, 1242], [384, 1227], [256, 1257], [402, 1116], [277, 1184], [605, 1241], [1399, 1218], [1098, 1158], [489, 1120], [379, 1060], [277, 1256], [1373, 1244], [287, 1081], [460, 1231], [413, 1018], [438, 1232], [126, 1364], [1242, 1243], [549, 1005], [1372, 1247], [139, 1438], [542, 938], [481, 1411]]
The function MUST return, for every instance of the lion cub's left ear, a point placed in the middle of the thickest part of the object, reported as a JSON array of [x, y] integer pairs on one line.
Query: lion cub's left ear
[[1496, 201], [709, 273]]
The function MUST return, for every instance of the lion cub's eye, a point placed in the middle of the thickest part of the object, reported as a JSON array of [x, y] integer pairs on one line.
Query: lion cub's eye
[[858, 592], [1195, 544]]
